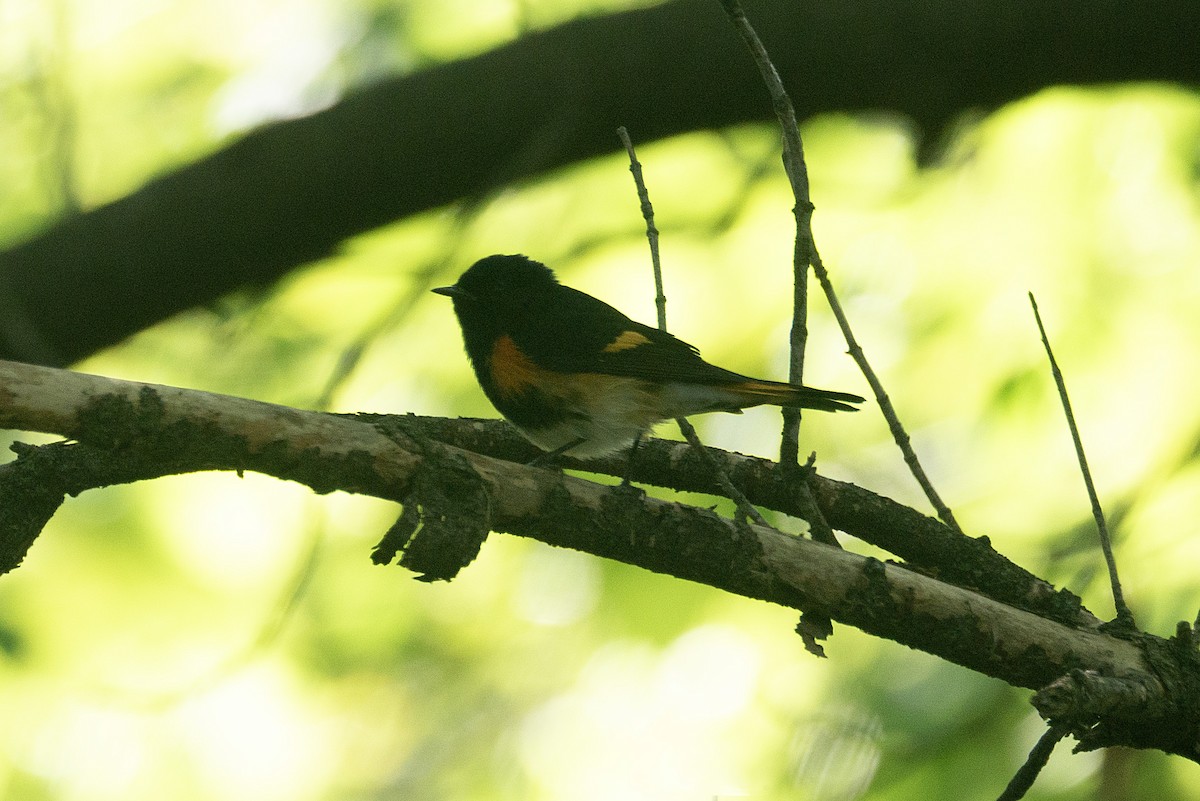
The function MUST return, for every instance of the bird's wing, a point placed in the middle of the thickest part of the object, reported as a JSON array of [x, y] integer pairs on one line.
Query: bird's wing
[[582, 334]]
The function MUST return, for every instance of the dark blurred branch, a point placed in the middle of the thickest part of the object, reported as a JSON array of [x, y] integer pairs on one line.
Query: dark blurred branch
[[289, 193]]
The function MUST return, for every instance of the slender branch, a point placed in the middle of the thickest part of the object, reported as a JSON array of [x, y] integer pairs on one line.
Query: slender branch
[[744, 507], [639, 181], [804, 250], [804, 253], [126, 431], [812, 626], [807, 254], [899, 434], [1124, 614], [1037, 759], [136, 431], [804, 246]]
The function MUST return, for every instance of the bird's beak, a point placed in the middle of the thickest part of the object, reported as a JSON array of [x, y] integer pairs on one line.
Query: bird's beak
[[448, 291]]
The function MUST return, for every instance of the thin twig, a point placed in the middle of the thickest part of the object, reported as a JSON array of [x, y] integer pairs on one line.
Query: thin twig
[[899, 434], [813, 626], [1037, 759], [745, 508], [804, 250], [1124, 614], [804, 245], [794, 165], [635, 167]]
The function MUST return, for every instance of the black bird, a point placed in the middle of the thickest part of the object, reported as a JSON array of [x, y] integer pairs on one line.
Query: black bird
[[575, 375]]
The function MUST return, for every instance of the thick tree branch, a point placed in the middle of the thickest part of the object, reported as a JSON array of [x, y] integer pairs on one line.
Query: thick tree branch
[[288, 193], [925, 543], [125, 431]]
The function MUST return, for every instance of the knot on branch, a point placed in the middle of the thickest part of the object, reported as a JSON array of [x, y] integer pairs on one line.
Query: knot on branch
[[1082, 698], [446, 518], [1158, 709]]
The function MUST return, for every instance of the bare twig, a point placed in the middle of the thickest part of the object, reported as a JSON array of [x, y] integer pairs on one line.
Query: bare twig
[[635, 167], [1037, 759], [744, 507], [806, 254], [804, 247], [899, 434], [1124, 614], [813, 626]]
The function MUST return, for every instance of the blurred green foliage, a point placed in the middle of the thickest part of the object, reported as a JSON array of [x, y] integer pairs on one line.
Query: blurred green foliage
[[209, 637]]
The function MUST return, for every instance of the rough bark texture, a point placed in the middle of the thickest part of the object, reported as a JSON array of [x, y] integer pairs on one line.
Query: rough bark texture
[[1109, 685]]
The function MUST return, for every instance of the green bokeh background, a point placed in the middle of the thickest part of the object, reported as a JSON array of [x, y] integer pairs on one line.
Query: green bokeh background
[[210, 637]]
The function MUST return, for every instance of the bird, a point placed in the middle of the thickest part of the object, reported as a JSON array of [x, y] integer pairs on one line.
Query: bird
[[576, 376]]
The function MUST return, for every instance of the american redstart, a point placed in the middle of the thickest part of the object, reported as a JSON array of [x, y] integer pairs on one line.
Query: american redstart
[[576, 375]]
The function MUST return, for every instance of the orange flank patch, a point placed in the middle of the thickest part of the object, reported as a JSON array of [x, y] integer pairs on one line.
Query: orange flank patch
[[627, 340], [512, 370]]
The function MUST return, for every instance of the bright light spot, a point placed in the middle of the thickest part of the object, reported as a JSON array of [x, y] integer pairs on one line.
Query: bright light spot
[[89, 752], [293, 49], [557, 587], [250, 739], [639, 728], [448, 29], [231, 533], [709, 674]]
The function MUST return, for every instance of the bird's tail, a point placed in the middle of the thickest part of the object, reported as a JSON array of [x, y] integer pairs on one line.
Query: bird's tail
[[756, 392]]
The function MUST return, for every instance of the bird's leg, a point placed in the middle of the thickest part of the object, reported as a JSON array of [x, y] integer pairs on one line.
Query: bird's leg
[[625, 479], [548, 458]]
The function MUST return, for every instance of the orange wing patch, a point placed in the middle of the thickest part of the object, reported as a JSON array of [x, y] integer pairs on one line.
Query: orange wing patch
[[512, 370], [626, 340]]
